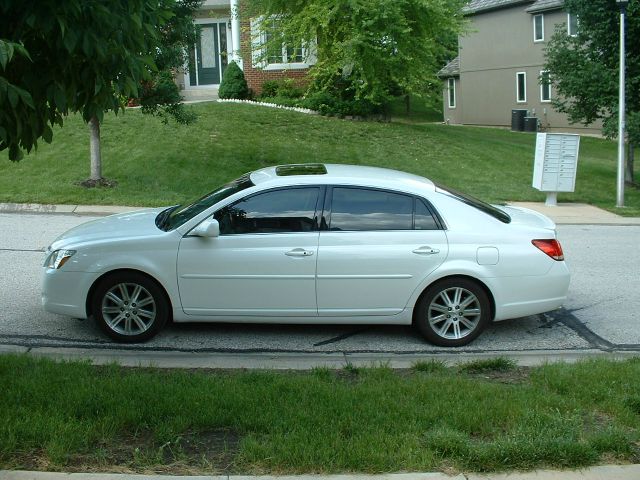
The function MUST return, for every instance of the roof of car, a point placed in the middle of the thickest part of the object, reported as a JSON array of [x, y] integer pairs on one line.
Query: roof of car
[[347, 175]]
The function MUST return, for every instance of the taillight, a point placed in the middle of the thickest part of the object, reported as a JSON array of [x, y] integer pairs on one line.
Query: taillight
[[551, 248]]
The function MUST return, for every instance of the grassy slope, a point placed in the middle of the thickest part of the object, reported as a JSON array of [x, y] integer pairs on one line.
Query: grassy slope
[[158, 164], [369, 420]]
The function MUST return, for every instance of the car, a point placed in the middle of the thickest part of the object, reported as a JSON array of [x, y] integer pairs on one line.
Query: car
[[311, 244]]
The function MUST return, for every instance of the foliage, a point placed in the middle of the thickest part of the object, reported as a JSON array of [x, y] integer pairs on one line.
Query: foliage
[[367, 50], [233, 83], [161, 96], [269, 88], [286, 87], [585, 67], [77, 55]]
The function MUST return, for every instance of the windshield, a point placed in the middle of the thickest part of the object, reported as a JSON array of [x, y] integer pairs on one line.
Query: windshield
[[176, 216], [474, 202]]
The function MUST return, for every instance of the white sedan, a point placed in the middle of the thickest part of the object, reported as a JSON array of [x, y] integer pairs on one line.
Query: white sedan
[[314, 244]]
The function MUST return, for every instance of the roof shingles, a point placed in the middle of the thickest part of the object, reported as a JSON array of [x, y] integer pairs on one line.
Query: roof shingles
[[451, 69]]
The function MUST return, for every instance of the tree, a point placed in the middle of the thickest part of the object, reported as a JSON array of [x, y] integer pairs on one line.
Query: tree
[[370, 50], [83, 56], [585, 68]]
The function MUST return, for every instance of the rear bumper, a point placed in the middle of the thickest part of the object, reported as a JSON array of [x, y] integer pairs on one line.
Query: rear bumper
[[523, 296], [65, 293]]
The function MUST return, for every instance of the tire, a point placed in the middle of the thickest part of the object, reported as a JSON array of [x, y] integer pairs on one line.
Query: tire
[[129, 307], [453, 312]]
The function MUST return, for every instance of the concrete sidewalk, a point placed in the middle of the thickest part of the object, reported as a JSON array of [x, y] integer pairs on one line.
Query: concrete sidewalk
[[563, 214], [604, 472]]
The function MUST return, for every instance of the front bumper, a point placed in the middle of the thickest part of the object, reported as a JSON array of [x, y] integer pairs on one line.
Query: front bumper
[[65, 293]]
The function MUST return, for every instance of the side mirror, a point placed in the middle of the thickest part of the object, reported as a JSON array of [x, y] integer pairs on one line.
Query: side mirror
[[208, 228]]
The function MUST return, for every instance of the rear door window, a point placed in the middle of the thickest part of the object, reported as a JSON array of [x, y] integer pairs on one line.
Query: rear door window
[[358, 209]]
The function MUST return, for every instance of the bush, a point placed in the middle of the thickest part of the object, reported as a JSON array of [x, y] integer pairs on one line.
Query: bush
[[233, 83], [285, 88], [269, 89]]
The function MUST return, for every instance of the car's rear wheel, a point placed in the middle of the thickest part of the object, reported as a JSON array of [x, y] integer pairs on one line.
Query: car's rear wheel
[[453, 312], [129, 307]]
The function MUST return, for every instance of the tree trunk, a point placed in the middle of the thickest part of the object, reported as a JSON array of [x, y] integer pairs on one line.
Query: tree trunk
[[94, 144], [628, 172]]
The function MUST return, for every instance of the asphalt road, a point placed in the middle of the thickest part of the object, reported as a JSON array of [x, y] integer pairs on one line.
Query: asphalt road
[[601, 311]]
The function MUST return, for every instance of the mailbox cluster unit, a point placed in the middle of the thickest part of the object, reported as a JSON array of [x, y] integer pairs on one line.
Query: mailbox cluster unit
[[556, 163]]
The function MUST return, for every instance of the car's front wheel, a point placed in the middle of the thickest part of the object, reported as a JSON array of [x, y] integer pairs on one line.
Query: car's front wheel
[[129, 307], [453, 312]]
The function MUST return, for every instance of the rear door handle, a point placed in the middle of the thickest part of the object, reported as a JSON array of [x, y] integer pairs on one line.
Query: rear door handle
[[299, 252], [426, 250]]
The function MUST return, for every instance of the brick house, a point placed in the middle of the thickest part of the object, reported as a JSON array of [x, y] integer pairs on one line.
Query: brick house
[[500, 65], [228, 35]]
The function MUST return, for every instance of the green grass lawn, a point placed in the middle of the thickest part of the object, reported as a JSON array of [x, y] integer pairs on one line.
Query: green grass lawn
[[156, 164], [486, 416]]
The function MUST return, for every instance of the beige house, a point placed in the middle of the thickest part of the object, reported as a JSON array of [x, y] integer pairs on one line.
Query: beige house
[[227, 34], [500, 65]]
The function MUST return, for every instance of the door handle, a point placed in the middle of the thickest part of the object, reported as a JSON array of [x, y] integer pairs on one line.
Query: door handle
[[299, 252], [426, 250]]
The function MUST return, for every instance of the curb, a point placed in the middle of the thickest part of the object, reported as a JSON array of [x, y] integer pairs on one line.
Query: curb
[[97, 210], [294, 360], [603, 472]]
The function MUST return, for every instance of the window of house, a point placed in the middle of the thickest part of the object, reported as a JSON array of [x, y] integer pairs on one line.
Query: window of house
[[358, 209], [278, 54], [538, 28], [572, 24], [451, 90], [545, 86], [278, 211], [521, 87]]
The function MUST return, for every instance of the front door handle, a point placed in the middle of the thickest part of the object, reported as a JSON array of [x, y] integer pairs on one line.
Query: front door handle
[[299, 252], [426, 250]]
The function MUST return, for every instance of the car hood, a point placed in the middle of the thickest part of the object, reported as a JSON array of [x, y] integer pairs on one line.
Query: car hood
[[140, 223], [527, 217]]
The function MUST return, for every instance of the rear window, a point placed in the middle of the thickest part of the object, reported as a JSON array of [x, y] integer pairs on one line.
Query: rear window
[[474, 202]]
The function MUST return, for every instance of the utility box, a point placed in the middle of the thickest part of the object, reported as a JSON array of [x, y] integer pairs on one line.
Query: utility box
[[530, 124], [517, 119], [556, 164]]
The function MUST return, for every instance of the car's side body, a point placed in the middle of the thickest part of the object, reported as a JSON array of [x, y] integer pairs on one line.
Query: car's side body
[[320, 275]]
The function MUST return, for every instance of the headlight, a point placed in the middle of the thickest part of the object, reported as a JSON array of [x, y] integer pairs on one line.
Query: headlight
[[58, 258]]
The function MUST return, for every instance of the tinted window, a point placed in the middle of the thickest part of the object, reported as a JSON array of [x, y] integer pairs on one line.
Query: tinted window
[[278, 211], [474, 202], [424, 219], [183, 213], [362, 209]]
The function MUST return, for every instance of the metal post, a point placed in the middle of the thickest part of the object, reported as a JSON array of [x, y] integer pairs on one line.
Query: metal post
[[621, 109]]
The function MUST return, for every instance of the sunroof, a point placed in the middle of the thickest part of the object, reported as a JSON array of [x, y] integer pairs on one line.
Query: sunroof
[[301, 169]]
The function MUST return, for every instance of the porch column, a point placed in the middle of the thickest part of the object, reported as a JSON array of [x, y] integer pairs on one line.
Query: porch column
[[235, 33]]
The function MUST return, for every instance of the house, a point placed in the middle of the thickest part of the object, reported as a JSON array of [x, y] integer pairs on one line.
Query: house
[[500, 65], [228, 35]]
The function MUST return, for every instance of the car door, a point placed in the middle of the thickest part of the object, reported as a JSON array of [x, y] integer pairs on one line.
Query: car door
[[262, 263], [376, 247]]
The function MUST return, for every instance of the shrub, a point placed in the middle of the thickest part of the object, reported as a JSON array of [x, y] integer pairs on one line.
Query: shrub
[[269, 89], [233, 83]]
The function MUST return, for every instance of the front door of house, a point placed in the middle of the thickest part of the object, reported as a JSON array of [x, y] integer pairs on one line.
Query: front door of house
[[208, 57]]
